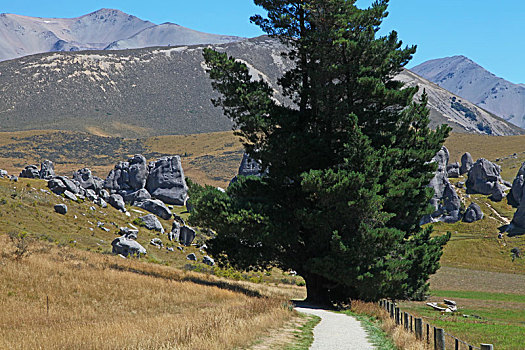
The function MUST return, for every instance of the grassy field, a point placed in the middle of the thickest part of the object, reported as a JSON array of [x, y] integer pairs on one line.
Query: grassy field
[[101, 301]]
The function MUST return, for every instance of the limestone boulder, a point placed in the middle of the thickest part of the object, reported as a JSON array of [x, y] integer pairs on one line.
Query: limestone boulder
[[156, 207], [473, 213], [151, 222], [484, 178], [127, 246], [61, 209], [117, 202], [30, 172], [131, 196], [187, 235], [47, 170], [466, 163], [86, 180], [453, 170], [166, 181]]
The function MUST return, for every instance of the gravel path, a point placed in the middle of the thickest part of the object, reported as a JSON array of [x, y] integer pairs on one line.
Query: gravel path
[[337, 331]]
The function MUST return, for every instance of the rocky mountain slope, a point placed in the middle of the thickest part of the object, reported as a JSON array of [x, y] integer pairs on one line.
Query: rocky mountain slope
[[165, 90], [469, 80], [22, 35]]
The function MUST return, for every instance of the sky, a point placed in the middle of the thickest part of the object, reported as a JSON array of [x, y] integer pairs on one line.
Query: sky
[[491, 33]]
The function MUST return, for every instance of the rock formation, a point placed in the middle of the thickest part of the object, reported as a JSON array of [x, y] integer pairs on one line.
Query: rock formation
[[453, 170], [187, 235], [125, 246], [484, 178], [473, 213], [248, 167], [516, 198], [47, 170], [466, 163], [156, 207], [151, 222], [166, 181], [30, 172]]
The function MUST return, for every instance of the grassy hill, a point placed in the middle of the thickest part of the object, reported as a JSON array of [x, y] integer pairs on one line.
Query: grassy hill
[[477, 268]]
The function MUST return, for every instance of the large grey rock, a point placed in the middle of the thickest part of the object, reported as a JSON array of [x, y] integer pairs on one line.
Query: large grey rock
[[104, 194], [453, 170], [130, 175], [56, 186], [187, 235], [135, 196], [156, 207], [47, 170], [30, 172], [151, 222], [484, 178], [466, 163], [86, 180], [126, 246], [174, 234], [70, 185], [61, 209], [473, 213], [117, 202], [129, 232], [166, 181], [516, 198], [70, 195], [208, 261], [192, 257], [248, 167], [451, 207]]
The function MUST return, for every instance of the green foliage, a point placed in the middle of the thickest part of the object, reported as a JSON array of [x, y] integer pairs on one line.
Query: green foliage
[[346, 166], [21, 242]]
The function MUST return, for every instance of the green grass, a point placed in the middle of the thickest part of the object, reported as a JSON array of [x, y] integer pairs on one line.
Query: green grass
[[304, 336], [479, 295], [376, 335]]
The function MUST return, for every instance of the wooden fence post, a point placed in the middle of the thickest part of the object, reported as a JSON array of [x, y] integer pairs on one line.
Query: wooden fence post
[[456, 344], [487, 347], [411, 328], [392, 309], [405, 314], [397, 315], [418, 325], [439, 339], [428, 334]]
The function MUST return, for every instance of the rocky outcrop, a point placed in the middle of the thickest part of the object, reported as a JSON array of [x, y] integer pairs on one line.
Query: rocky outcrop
[[151, 222], [473, 213], [484, 178], [516, 198], [248, 167], [30, 172], [117, 202], [87, 181], [453, 170], [135, 196], [166, 181], [445, 201], [47, 170], [466, 163], [156, 207]]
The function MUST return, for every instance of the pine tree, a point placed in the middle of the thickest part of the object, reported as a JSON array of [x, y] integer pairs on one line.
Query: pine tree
[[345, 167]]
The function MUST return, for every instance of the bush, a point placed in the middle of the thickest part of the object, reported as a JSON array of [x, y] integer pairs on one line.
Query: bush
[[21, 242]]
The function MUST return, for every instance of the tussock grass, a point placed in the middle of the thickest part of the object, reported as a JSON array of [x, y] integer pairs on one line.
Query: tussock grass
[[106, 302], [400, 337]]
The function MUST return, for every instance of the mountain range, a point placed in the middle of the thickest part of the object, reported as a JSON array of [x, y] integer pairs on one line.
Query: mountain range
[[103, 29], [469, 80]]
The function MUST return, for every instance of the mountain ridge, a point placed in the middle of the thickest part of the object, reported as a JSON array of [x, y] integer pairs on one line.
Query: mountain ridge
[[467, 79]]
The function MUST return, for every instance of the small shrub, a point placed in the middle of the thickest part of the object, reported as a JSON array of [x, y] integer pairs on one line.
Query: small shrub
[[21, 242]]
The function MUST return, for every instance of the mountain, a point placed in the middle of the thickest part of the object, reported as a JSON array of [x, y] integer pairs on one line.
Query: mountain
[[106, 28], [169, 34], [165, 90], [469, 80]]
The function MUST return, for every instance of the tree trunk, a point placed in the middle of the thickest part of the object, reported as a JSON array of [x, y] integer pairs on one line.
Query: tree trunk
[[316, 290]]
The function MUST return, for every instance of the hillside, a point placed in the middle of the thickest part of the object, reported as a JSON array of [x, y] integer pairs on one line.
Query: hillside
[[467, 79], [165, 91], [22, 35]]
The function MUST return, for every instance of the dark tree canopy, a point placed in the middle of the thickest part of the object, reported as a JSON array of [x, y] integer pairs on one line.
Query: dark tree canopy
[[346, 164]]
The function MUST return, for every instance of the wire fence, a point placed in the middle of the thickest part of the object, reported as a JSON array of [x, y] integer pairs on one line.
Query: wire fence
[[426, 332]]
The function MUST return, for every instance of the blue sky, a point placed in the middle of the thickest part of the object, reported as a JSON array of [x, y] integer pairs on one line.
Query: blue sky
[[490, 33]]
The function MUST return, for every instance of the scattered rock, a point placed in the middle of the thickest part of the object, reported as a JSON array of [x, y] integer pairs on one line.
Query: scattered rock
[[128, 232], [174, 234], [117, 202], [151, 222], [187, 235], [56, 186], [466, 163], [169, 249], [473, 213], [70, 195], [191, 257], [61, 209], [208, 261], [126, 246], [100, 202], [166, 181], [156, 207], [3, 174], [156, 242]]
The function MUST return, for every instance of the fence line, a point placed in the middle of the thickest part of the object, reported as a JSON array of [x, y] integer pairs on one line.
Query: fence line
[[418, 326]]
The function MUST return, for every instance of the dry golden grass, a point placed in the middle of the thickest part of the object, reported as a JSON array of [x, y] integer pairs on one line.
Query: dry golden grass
[[489, 147], [402, 338], [106, 302]]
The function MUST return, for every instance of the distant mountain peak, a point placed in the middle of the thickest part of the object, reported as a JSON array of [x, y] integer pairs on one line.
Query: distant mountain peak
[[469, 80]]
